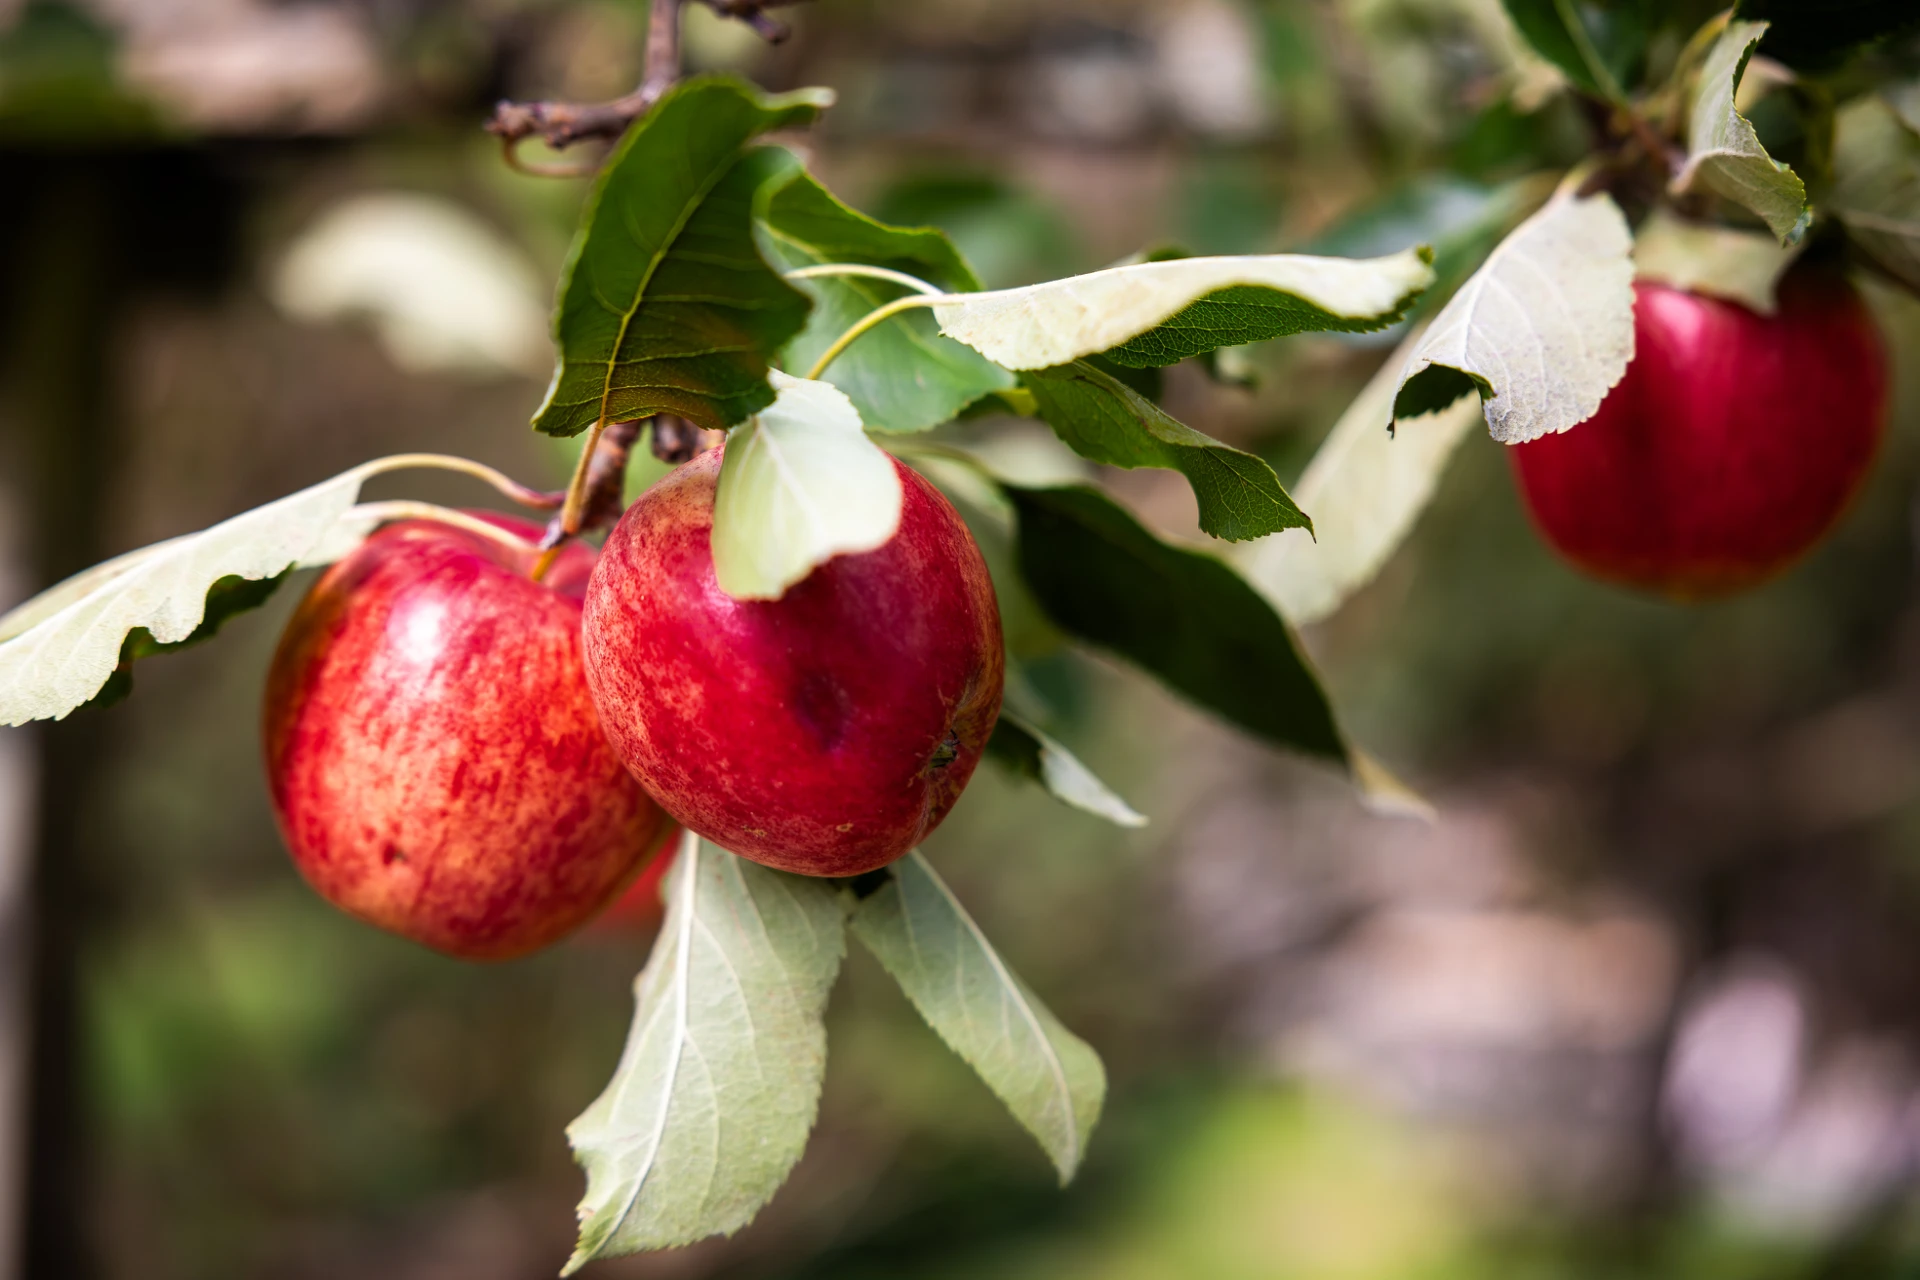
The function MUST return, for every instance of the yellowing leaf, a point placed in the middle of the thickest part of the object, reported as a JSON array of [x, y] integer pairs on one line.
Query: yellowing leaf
[[1155, 313], [799, 484], [1366, 486], [1048, 1077], [1723, 152], [720, 1079], [1543, 330]]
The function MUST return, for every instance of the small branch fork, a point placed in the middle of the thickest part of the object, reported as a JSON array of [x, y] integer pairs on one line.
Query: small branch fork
[[560, 124]]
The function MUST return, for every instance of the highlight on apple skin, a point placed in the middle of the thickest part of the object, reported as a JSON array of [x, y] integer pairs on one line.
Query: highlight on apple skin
[[434, 758], [1733, 443], [826, 732]]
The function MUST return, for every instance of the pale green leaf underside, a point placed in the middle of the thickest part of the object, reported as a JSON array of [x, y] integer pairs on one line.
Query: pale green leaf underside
[[1876, 189], [1155, 313], [902, 375], [1543, 330], [800, 483], [1366, 487], [717, 1088], [1033, 755], [1049, 1078], [1742, 266], [1724, 154], [58, 649], [1101, 418]]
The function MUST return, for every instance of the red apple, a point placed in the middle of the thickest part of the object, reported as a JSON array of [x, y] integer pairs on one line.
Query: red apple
[[825, 732], [639, 907], [1733, 442], [435, 762]]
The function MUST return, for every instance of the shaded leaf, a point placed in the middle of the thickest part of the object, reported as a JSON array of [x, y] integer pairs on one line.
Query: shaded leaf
[[1366, 486], [1100, 418], [1182, 616], [1048, 1077], [1742, 266], [1876, 188], [799, 483], [720, 1078], [665, 304], [1542, 331], [1819, 33], [1724, 154], [1035, 756], [1156, 313], [902, 375], [1597, 45]]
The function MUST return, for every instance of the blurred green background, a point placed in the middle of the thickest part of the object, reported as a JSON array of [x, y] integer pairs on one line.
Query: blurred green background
[[1644, 1000]]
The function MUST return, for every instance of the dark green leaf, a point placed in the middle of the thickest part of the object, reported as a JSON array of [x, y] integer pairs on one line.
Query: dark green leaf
[[901, 376], [1239, 495], [1598, 43], [227, 597], [665, 303], [1816, 33], [1183, 616]]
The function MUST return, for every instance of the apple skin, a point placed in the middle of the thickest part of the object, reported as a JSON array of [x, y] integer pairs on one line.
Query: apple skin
[[826, 732], [434, 759], [1732, 444], [638, 909]]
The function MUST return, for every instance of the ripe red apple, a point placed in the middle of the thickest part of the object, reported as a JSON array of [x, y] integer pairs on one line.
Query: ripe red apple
[[825, 732], [1733, 442], [639, 906], [435, 762]]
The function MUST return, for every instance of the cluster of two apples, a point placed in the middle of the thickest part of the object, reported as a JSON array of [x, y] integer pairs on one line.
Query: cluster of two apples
[[481, 762]]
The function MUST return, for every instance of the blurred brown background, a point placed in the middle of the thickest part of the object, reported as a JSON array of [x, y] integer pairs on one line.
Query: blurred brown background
[[1644, 1001]]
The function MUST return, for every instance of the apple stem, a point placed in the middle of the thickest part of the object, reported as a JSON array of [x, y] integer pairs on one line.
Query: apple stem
[[538, 499], [408, 509]]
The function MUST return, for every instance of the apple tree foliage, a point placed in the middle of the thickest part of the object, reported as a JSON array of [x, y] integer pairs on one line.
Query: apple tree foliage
[[715, 279]]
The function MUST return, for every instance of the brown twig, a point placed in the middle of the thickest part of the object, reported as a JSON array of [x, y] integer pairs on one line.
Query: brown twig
[[675, 440], [560, 124]]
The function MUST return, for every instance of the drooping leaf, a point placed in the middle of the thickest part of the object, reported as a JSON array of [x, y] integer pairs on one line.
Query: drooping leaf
[[1156, 313], [1049, 1078], [720, 1078], [665, 304], [1876, 187], [1366, 486], [1598, 44], [58, 650], [902, 375], [1818, 33], [1724, 154], [1727, 262], [800, 483], [1100, 418], [1035, 756], [1183, 616], [1542, 331], [227, 598]]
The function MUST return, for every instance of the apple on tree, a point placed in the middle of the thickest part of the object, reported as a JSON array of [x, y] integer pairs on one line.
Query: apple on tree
[[1732, 443], [435, 762]]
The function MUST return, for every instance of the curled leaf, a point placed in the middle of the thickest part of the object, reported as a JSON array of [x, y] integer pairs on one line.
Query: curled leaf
[[1032, 754], [1724, 154]]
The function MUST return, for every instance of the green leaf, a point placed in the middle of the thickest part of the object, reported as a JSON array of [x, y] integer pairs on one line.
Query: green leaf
[[800, 483], [1542, 331], [1819, 33], [1100, 418], [1182, 616], [1366, 486], [59, 649], [665, 303], [1050, 1079], [720, 1079], [1145, 314], [902, 375], [1597, 45], [1743, 266], [1724, 154], [1876, 187], [1035, 756]]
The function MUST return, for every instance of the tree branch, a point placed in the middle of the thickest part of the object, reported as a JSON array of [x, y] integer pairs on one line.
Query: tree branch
[[560, 124]]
